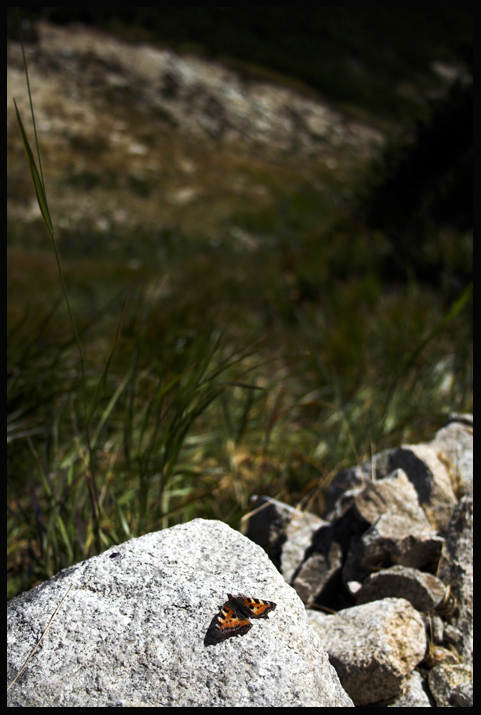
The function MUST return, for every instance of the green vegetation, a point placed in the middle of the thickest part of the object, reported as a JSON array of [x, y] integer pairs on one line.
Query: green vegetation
[[253, 348]]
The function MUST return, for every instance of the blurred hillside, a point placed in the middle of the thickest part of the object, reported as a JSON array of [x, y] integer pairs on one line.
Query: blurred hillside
[[377, 60], [197, 145]]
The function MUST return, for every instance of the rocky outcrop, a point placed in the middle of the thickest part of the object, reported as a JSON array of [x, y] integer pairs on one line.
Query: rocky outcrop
[[391, 563]]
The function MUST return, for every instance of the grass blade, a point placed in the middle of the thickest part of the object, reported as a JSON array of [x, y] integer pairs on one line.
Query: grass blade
[[37, 181]]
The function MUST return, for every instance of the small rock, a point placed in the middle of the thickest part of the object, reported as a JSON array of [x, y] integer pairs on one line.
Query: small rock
[[394, 540], [415, 693], [316, 573], [456, 570], [373, 647], [454, 441], [422, 590], [452, 685]]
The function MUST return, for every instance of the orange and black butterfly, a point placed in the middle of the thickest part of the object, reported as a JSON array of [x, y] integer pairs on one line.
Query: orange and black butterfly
[[233, 617]]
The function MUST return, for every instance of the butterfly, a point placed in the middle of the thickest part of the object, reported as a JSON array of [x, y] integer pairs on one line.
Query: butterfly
[[233, 617]]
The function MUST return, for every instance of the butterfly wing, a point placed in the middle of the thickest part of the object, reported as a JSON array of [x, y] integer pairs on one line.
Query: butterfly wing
[[251, 607], [226, 624]]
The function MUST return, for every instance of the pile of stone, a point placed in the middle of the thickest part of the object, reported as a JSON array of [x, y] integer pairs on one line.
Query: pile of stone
[[387, 574]]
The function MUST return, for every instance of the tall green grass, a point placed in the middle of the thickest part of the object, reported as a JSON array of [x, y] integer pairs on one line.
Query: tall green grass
[[107, 466]]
